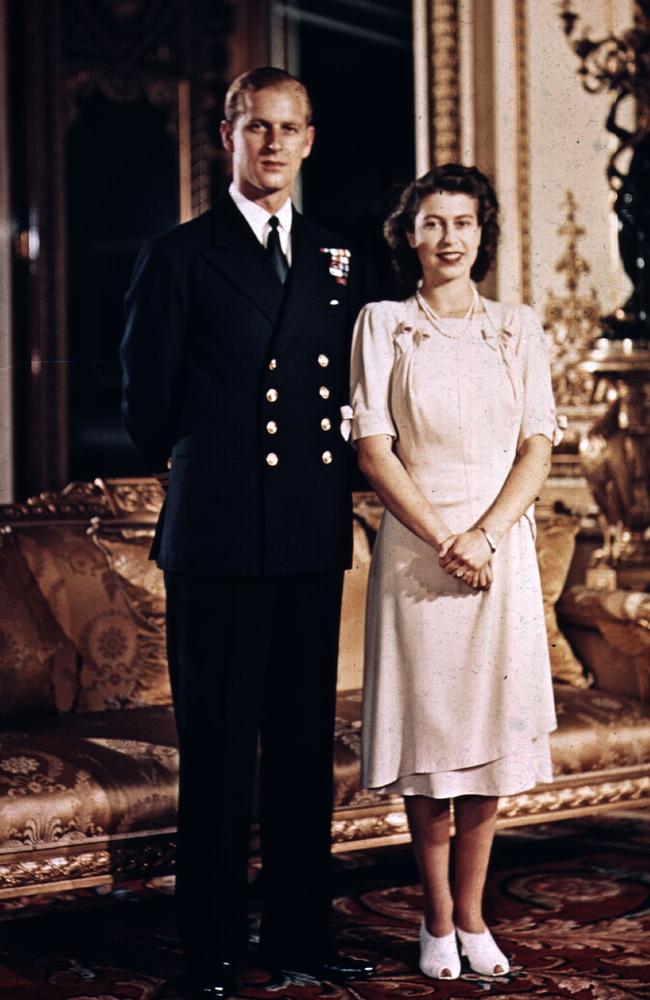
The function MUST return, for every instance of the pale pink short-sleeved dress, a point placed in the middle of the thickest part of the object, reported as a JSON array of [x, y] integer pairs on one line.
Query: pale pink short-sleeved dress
[[457, 688]]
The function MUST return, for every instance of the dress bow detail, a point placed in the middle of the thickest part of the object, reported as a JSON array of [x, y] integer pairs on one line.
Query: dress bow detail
[[561, 425], [347, 415], [409, 333], [503, 340]]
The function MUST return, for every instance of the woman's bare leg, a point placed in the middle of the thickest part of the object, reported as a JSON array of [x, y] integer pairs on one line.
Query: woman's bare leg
[[429, 825], [475, 818]]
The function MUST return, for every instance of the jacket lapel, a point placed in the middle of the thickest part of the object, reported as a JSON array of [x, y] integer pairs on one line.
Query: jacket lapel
[[240, 257], [308, 286]]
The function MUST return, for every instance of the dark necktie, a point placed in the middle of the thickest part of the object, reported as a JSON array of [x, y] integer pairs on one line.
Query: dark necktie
[[274, 250]]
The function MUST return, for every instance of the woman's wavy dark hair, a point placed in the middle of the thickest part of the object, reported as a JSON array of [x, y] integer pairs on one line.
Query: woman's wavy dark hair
[[451, 177]]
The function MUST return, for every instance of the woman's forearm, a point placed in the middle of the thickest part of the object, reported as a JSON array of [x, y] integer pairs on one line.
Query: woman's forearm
[[397, 491], [521, 488]]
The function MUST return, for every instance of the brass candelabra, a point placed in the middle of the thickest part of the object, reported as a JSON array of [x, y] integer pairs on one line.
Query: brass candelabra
[[615, 453]]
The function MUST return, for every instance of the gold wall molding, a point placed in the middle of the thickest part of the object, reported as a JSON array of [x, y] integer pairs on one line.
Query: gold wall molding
[[523, 145], [444, 81], [501, 132], [421, 84], [453, 117], [571, 317]]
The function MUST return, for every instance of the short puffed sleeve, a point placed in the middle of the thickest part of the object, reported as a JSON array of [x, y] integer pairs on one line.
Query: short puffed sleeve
[[539, 416], [373, 356]]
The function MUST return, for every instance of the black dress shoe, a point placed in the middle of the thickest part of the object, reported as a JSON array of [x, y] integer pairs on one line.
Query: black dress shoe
[[342, 969], [337, 968], [221, 982]]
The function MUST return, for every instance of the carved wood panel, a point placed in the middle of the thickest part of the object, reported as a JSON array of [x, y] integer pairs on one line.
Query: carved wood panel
[[71, 60]]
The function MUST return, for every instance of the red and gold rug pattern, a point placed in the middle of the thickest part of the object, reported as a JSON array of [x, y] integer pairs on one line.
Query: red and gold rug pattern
[[569, 903]]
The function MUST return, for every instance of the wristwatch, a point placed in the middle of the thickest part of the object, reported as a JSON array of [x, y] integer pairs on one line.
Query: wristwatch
[[488, 538]]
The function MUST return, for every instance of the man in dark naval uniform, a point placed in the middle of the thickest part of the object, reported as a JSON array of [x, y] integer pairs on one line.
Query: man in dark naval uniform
[[235, 362]]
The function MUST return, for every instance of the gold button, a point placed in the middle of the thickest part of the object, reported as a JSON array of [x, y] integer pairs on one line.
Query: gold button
[[273, 365], [324, 392], [271, 395], [326, 457], [326, 424], [272, 427], [323, 360], [272, 458]]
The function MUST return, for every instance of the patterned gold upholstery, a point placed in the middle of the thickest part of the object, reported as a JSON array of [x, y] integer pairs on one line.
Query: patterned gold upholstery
[[91, 776], [598, 731]]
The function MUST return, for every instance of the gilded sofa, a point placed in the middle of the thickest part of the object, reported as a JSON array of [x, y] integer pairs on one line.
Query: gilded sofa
[[88, 761]]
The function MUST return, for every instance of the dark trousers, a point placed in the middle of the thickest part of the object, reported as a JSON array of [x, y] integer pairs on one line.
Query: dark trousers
[[254, 657]]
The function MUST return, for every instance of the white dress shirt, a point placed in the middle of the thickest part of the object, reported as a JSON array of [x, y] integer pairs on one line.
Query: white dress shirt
[[258, 219]]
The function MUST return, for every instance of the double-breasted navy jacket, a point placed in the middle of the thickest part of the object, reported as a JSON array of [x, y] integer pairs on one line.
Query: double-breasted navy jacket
[[240, 382]]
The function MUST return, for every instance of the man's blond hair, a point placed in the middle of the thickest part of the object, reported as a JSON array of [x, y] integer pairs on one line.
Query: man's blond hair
[[260, 78]]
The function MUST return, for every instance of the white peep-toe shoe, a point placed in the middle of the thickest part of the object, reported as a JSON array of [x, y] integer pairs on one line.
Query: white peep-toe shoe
[[438, 954], [483, 953]]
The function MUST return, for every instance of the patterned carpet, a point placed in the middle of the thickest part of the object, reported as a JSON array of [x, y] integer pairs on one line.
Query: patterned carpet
[[569, 903]]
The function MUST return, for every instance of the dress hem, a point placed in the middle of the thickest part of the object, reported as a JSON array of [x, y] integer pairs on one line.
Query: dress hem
[[528, 786], [435, 768]]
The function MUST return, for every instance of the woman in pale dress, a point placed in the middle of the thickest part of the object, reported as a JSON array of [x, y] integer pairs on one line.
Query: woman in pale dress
[[453, 420]]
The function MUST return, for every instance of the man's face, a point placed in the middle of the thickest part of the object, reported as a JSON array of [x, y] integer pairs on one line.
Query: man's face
[[268, 140]]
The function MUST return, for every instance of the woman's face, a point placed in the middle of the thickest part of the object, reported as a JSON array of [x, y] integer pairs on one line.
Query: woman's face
[[446, 235]]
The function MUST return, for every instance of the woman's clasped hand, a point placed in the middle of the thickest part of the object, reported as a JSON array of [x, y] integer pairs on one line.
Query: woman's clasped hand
[[468, 556]]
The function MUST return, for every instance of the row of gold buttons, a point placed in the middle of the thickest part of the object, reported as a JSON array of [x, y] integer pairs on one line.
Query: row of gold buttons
[[272, 427], [322, 359], [326, 458], [325, 423], [272, 394]]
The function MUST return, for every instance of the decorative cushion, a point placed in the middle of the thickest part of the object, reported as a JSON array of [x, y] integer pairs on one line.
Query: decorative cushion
[[37, 664], [143, 588], [122, 654], [127, 553], [78, 777], [555, 548]]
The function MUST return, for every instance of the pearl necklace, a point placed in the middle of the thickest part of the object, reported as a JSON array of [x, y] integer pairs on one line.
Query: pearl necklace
[[437, 321]]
